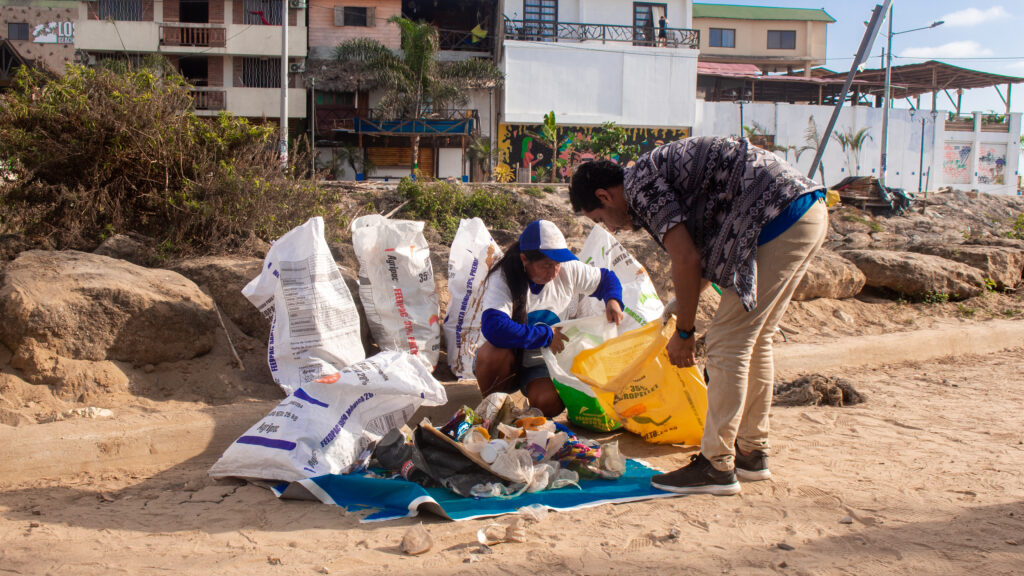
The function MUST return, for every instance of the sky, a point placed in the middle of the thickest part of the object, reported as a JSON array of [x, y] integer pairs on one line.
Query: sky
[[978, 35]]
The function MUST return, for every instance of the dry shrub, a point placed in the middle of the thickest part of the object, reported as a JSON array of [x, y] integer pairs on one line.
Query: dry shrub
[[117, 149]]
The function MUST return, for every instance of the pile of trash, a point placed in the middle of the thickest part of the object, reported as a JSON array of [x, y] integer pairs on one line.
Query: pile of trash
[[498, 450], [346, 413]]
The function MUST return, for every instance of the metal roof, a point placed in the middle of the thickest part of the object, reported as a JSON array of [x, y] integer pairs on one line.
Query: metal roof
[[913, 79], [733, 12]]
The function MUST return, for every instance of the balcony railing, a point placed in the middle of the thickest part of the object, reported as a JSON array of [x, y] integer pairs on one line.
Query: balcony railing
[[208, 99], [331, 118], [538, 31], [201, 36], [462, 40], [438, 123]]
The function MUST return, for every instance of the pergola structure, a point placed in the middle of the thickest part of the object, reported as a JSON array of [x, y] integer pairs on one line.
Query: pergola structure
[[10, 61], [730, 82]]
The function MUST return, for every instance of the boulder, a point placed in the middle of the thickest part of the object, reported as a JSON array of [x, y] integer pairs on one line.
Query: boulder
[[125, 247], [1001, 265], [88, 307], [830, 276], [917, 274], [997, 241], [857, 240], [224, 277]]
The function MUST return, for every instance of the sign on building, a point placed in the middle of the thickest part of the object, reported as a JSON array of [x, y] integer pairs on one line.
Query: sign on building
[[54, 33]]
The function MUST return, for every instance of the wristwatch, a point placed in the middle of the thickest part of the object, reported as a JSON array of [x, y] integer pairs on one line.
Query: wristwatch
[[684, 334]]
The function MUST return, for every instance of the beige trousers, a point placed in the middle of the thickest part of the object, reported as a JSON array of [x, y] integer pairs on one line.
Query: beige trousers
[[740, 366]]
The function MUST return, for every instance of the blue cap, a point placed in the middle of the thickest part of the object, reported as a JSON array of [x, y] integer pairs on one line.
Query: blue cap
[[544, 236]]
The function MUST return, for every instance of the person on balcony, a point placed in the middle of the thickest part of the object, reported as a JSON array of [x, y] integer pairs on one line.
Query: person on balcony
[[734, 214], [526, 293], [662, 31]]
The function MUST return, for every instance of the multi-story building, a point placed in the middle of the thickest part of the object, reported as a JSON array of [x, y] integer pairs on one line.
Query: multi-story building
[[345, 97], [229, 50], [773, 39], [38, 33], [631, 63]]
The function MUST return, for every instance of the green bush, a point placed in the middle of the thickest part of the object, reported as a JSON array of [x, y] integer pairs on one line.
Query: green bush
[[443, 204], [101, 151]]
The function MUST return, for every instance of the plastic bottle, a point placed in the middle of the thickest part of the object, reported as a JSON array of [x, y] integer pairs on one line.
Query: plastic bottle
[[396, 454]]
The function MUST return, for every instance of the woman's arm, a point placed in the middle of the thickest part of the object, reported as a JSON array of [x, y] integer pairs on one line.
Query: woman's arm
[[503, 332]]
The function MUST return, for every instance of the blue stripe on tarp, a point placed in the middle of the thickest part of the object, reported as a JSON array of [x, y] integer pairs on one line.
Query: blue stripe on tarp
[[302, 395], [397, 498], [267, 442]]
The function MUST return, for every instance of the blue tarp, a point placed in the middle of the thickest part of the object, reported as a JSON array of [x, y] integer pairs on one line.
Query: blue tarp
[[415, 126], [398, 498]]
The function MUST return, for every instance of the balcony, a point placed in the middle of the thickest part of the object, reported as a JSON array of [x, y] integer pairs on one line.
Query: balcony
[[193, 35], [331, 119], [458, 122], [209, 99], [462, 41], [537, 31]]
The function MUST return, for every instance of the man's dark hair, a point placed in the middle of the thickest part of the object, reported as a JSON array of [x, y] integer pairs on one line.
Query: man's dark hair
[[588, 178]]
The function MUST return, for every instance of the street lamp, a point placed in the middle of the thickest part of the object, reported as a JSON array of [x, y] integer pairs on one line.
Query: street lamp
[[885, 96]]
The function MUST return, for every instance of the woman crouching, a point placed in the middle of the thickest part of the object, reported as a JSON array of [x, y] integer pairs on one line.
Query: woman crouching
[[527, 292]]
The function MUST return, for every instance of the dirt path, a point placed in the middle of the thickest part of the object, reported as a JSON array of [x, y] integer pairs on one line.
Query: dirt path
[[929, 473]]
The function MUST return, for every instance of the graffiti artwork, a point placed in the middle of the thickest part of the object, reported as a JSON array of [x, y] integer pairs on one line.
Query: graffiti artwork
[[956, 163], [991, 164], [522, 148]]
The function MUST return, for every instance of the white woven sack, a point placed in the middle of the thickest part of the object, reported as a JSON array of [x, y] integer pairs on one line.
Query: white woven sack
[[315, 326], [396, 286], [473, 254]]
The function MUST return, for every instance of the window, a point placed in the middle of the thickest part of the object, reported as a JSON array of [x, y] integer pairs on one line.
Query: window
[[261, 72], [17, 30], [722, 38], [647, 22], [121, 10], [782, 39], [265, 12], [345, 99], [540, 19]]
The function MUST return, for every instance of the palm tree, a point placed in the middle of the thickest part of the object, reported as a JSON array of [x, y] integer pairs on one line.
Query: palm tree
[[479, 150], [414, 82], [812, 141], [852, 143]]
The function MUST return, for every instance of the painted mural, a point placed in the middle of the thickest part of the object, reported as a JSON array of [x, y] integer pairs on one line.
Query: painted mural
[[991, 164], [956, 162], [523, 152]]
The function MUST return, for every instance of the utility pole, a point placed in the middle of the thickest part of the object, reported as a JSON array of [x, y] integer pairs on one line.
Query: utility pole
[[312, 131], [886, 99], [284, 83]]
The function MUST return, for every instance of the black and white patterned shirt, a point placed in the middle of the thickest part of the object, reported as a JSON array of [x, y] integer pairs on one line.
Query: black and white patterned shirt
[[724, 190]]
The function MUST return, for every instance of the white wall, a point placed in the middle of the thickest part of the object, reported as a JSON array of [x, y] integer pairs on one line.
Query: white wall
[[594, 83], [788, 122]]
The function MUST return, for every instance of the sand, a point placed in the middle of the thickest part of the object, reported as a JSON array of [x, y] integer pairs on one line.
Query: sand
[[925, 477]]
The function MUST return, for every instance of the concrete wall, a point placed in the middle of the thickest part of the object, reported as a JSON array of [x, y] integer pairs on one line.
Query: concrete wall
[[592, 84], [50, 55], [265, 102], [965, 160]]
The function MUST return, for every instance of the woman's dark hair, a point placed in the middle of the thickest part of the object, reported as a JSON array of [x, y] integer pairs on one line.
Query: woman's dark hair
[[588, 178], [516, 277]]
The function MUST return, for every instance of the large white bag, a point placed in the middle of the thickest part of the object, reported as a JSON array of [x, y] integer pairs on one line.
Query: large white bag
[[330, 425], [639, 296], [473, 254], [315, 327], [396, 286]]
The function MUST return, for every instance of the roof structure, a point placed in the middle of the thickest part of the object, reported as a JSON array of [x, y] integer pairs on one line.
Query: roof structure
[[733, 12], [10, 60], [736, 81]]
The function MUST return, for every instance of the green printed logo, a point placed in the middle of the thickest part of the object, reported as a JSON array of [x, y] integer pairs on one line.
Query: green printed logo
[[646, 420]]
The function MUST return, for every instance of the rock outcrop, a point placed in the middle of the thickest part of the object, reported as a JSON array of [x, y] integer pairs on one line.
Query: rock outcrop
[[917, 275], [830, 276]]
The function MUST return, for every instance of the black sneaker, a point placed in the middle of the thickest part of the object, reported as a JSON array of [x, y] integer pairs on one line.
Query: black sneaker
[[698, 477], [753, 466]]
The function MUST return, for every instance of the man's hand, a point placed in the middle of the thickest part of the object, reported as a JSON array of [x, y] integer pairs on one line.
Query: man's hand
[[682, 353], [558, 340], [613, 312]]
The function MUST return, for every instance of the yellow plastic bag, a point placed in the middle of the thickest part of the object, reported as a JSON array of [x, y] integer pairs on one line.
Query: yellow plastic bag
[[661, 403]]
